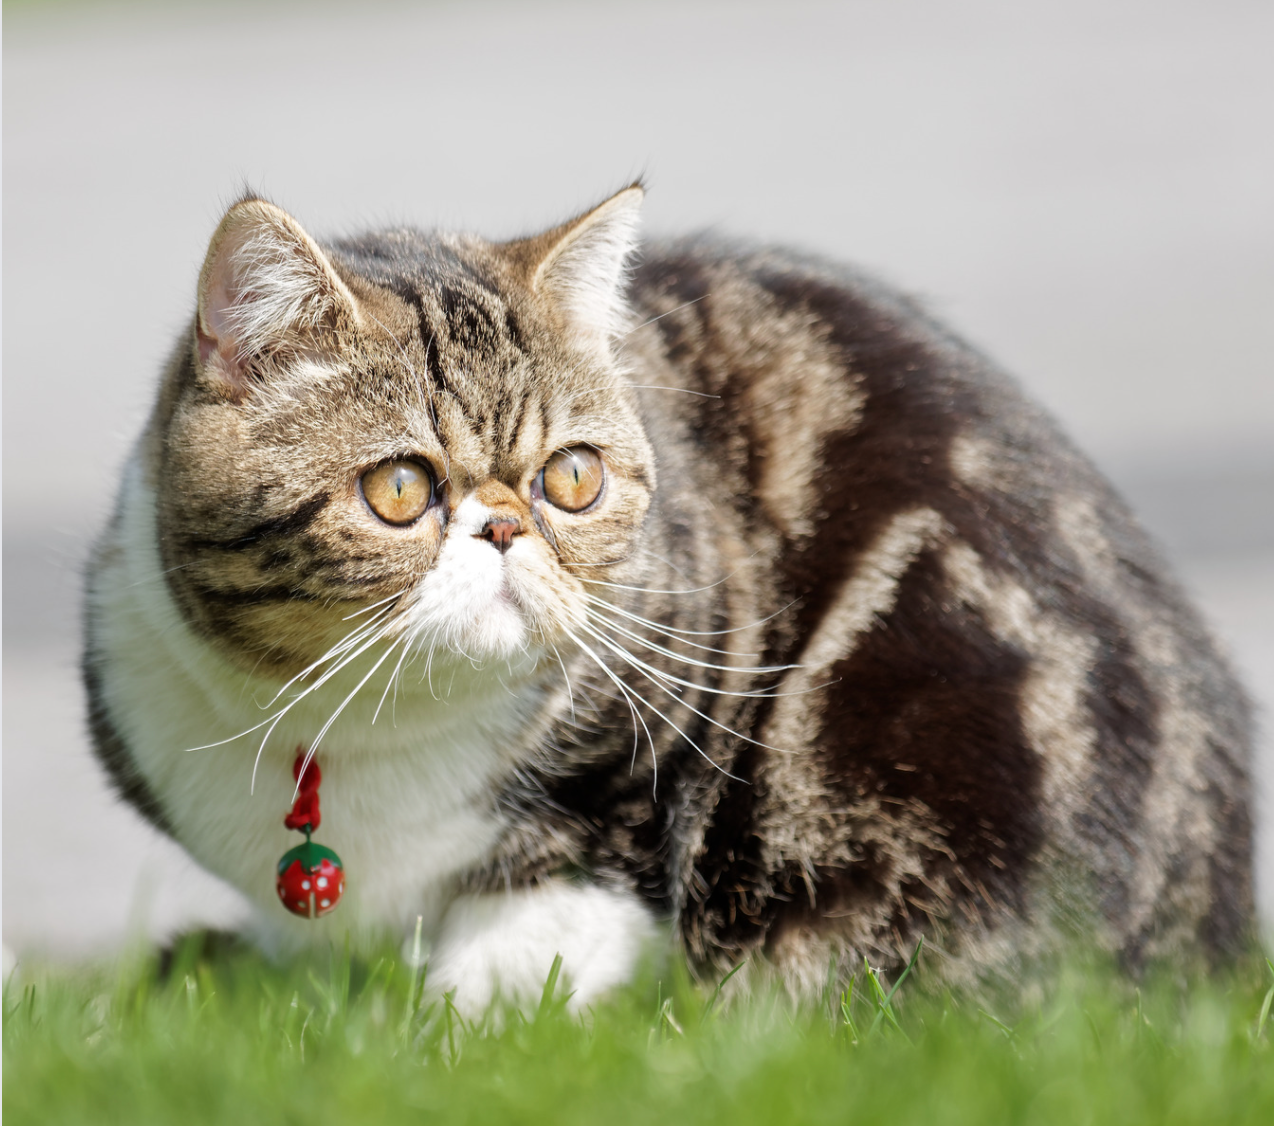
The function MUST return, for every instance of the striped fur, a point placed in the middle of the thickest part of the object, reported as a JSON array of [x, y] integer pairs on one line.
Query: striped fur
[[854, 648]]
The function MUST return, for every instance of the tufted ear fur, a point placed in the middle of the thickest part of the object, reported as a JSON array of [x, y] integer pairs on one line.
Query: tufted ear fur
[[579, 267], [265, 289]]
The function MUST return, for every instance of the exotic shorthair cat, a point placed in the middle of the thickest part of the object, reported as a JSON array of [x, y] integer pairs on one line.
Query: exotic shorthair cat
[[700, 589]]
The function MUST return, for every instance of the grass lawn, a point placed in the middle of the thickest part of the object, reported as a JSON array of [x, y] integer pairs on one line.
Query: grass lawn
[[240, 1041]]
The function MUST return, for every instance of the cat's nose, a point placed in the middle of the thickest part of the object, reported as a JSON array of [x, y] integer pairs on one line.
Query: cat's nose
[[500, 531]]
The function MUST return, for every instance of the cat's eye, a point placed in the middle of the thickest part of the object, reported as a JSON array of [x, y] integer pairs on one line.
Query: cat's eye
[[572, 479], [398, 491]]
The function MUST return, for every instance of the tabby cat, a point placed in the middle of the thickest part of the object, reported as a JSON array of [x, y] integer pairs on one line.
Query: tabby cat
[[716, 593]]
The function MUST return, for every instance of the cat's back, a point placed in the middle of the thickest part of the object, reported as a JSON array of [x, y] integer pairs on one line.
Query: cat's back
[[993, 656]]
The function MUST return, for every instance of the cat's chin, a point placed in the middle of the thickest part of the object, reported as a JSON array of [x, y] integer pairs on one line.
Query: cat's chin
[[486, 605], [498, 632]]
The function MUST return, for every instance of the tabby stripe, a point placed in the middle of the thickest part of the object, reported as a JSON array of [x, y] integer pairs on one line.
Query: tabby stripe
[[1055, 697], [287, 525], [257, 596], [864, 479], [866, 597], [428, 334]]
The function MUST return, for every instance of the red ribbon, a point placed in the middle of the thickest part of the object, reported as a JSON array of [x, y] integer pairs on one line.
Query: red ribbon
[[305, 810]]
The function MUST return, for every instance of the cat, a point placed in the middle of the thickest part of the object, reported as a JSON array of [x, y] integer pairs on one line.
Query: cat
[[700, 592]]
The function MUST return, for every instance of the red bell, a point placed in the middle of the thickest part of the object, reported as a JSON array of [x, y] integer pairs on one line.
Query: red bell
[[311, 880]]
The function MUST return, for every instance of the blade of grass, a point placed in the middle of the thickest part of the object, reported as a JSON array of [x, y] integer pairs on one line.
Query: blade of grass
[[550, 986], [716, 993], [885, 1001], [846, 1008], [1006, 1029], [416, 959], [1263, 1019]]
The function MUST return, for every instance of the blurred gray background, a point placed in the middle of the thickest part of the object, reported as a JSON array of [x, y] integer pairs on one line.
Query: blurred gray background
[[1084, 188]]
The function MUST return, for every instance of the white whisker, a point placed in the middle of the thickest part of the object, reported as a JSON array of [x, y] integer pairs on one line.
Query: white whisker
[[313, 748], [687, 632], [648, 590], [392, 676], [633, 710], [367, 609], [661, 387], [297, 699], [669, 678], [566, 676], [351, 639], [656, 678], [271, 722], [692, 660], [669, 313]]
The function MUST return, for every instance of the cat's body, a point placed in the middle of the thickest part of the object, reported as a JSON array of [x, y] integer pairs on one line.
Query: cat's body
[[883, 655]]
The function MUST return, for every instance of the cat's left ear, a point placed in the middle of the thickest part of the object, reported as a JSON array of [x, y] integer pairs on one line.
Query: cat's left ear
[[266, 289], [579, 267]]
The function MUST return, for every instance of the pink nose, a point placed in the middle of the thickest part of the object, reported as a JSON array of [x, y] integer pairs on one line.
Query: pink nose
[[500, 530]]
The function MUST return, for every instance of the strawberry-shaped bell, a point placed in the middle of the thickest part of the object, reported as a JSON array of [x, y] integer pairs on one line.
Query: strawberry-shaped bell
[[311, 878]]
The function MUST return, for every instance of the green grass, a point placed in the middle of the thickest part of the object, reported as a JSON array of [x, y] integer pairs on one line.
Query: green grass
[[243, 1042]]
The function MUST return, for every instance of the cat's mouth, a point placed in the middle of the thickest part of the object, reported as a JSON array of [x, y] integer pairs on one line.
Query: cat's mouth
[[482, 604]]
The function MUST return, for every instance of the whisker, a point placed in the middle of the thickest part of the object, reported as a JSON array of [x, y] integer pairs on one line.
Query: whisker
[[666, 562], [390, 682], [693, 661], [670, 678], [669, 313], [351, 639], [635, 712], [313, 749], [157, 575], [603, 563], [660, 714], [688, 632], [271, 722], [671, 636], [649, 590], [367, 609], [256, 762], [661, 387], [654, 676], [566, 676]]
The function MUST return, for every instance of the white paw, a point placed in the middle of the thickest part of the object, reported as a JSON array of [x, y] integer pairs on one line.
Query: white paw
[[503, 944]]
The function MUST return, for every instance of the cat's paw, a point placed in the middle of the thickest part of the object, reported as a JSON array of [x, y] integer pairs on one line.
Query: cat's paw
[[502, 945]]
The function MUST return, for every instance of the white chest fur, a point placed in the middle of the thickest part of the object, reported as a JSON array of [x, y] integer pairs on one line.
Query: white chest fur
[[406, 800]]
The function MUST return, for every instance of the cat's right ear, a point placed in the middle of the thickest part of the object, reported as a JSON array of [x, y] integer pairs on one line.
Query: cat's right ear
[[266, 289], [579, 267]]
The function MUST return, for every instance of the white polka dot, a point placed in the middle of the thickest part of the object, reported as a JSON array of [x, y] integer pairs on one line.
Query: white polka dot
[[325, 903], [305, 885], [322, 881], [283, 893]]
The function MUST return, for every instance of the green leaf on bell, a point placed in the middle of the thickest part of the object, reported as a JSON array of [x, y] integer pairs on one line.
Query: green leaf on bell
[[310, 855]]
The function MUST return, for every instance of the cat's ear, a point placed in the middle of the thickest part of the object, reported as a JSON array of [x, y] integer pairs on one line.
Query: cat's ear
[[579, 267], [266, 289]]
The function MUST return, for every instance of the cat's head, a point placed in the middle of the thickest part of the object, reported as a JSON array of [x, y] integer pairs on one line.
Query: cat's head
[[429, 432]]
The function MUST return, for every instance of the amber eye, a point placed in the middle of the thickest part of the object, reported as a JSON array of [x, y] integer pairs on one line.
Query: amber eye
[[398, 491], [572, 478]]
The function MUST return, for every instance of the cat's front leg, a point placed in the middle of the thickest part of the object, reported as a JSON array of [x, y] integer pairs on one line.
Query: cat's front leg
[[502, 944]]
